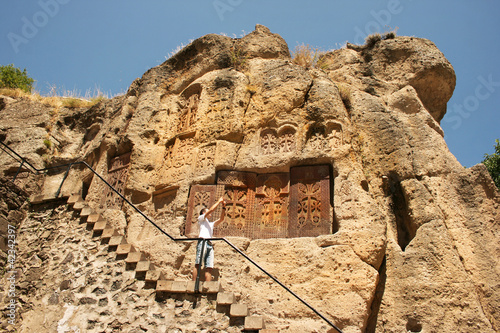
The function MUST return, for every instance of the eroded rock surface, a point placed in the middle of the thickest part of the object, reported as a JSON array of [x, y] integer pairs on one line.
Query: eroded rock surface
[[394, 236]]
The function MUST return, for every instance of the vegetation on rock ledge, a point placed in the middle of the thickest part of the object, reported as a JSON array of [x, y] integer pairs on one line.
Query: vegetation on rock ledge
[[492, 162]]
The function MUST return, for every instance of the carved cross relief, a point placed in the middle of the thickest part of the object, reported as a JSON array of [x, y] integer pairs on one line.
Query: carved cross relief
[[272, 141], [268, 205], [117, 177], [189, 109], [326, 138]]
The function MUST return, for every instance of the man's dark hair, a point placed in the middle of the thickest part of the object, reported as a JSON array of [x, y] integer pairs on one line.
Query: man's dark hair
[[203, 211]]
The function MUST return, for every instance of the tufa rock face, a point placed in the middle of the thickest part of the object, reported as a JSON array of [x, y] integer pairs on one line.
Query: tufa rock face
[[338, 181]]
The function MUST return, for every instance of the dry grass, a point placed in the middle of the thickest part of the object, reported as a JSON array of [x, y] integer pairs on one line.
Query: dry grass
[[345, 95], [309, 57], [68, 99]]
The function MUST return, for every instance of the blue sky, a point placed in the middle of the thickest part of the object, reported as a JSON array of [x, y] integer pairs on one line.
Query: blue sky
[[83, 46]]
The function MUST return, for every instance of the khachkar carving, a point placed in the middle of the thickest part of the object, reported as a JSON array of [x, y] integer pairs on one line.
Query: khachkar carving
[[271, 218], [335, 135], [325, 138], [182, 153], [266, 205], [282, 141], [310, 201], [178, 153], [238, 189], [200, 196], [117, 177], [163, 202], [205, 158], [189, 109]]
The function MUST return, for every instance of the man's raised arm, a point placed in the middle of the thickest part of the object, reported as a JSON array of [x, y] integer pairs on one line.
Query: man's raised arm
[[214, 206]]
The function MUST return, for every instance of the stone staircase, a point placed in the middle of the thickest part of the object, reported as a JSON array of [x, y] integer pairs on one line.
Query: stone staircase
[[145, 270]]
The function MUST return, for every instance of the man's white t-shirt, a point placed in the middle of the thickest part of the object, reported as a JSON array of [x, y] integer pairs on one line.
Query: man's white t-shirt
[[206, 227]]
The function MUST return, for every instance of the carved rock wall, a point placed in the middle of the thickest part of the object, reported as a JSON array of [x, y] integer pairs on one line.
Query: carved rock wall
[[339, 180]]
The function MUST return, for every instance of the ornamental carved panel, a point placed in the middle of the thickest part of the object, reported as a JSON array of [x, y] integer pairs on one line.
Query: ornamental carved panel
[[189, 108], [335, 135], [310, 201], [183, 152], [205, 158], [272, 142], [200, 196], [317, 139], [271, 210], [179, 158], [238, 190], [268, 142], [279, 205], [117, 177]]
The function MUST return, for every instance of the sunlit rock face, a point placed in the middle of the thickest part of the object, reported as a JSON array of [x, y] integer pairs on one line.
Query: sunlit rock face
[[337, 179]]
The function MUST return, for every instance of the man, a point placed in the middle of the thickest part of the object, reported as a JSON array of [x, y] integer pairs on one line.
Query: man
[[206, 231]]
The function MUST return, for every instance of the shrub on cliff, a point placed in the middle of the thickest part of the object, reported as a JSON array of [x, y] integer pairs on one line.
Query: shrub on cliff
[[12, 77], [492, 162]]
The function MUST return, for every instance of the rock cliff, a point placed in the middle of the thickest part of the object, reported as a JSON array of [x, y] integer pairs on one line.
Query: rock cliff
[[338, 182]]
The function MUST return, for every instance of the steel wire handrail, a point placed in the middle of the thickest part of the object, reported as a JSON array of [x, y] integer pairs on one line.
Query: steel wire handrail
[[68, 166]]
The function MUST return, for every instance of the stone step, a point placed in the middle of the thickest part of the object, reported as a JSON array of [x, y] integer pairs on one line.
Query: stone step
[[124, 249], [254, 323], [39, 199], [74, 199], [238, 310], [109, 232], [164, 285], [179, 286], [135, 257], [86, 211], [144, 266], [117, 240], [79, 205], [210, 287], [226, 298], [94, 217], [100, 225], [269, 330], [154, 276]]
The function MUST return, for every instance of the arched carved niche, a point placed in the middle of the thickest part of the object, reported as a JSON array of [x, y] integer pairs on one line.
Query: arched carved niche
[[274, 141], [188, 105], [316, 138], [118, 168], [325, 138], [178, 159], [334, 135]]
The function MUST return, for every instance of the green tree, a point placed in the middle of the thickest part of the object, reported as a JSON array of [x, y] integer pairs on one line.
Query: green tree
[[492, 162], [12, 77]]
